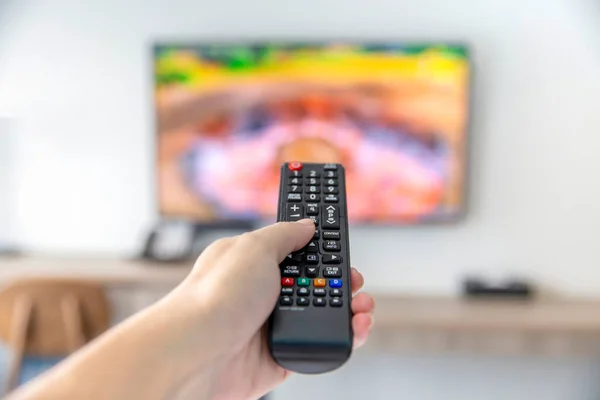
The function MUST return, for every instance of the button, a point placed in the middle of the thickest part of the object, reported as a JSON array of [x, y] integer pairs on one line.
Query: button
[[335, 302], [336, 292], [287, 291], [334, 283], [331, 245], [316, 235], [331, 259], [332, 235], [312, 209], [311, 197], [313, 173], [332, 272], [331, 198], [319, 282], [290, 271], [303, 301], [295, 181], [319, 302], [294, 189], [295, 174], [313, 189], [286, 301], [330, 174], [328, 167], [303, 291], [287, 282], [320, 292], [312, 272], [331, 189], [295, 166], [312, 259], [331, 217], [293, 258], [312, 181], [303, 282], [315, 219], [330, 182], [294, 197], [294, 212], [312, 247]]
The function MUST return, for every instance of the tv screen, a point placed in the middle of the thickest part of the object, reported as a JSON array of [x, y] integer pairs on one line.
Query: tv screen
[[229, 114]]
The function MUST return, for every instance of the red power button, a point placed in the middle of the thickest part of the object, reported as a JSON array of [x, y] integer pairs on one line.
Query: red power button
[[295, 166]]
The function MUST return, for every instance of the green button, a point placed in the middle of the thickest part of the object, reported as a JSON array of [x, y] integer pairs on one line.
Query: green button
[[303, 282]]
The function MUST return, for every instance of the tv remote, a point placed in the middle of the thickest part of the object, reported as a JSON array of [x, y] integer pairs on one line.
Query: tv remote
[[310, 329]]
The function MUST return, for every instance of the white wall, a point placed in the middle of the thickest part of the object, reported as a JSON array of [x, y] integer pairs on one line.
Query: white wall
[[78, 73]]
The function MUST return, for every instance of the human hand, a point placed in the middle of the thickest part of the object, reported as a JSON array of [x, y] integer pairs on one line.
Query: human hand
[[237, 283]]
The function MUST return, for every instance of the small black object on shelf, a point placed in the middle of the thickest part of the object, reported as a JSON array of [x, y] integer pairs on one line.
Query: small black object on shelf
[[509, 289]]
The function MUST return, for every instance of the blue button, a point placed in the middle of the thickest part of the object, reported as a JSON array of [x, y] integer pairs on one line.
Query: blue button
[[335, 283]]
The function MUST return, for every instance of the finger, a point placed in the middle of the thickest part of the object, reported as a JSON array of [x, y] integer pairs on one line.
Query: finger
[[283, 238], [361, 325], [362, 303], [357, 280]]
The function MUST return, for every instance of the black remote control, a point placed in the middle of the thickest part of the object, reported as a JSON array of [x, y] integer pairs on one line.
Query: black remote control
[[310, 330]]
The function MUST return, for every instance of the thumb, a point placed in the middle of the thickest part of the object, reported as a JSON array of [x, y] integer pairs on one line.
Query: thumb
[[284, 238]]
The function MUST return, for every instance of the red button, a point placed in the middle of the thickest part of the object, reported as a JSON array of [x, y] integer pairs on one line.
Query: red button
[[295, 166], [287, 281]]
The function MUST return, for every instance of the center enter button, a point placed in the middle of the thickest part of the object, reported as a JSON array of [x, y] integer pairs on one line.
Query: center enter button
[[331, 217]]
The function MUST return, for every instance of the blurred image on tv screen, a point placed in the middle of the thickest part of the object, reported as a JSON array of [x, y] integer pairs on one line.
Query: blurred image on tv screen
[[229, 115]]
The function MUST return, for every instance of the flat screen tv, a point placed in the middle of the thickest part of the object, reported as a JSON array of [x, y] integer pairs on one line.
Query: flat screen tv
[[228, 114]]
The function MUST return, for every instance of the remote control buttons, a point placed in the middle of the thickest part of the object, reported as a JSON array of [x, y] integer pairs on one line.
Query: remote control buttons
[[331, 217], [319, 302], [295, 197], [334, 283], [287, 282], [332, 272], [313, 189], [312, 181], [315, 219], [303, 282], [320, 292], [330, 182], [328, 167], [331, 198], [331, 235], [330, 174], [295, 189], [316, 235], [311, 197], [312, 272], [336, 292], [303, 301], [331, 189], [320, 282], [296, 181], [312, 259], [313, 173], [295, 166], [287, 291], [303, 291], [312, 209], [332, 245], [290, 271], [312, 247], [286, 301], [294, 212], [331, 259], [295, 174], [336, 302]]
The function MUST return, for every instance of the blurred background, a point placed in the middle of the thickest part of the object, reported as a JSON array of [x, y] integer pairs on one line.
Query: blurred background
[[130, 129]]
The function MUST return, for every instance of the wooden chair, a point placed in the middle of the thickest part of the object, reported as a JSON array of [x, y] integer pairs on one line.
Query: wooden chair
[[49, 318]]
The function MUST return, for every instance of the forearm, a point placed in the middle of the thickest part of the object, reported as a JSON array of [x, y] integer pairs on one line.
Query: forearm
[[147, 357]]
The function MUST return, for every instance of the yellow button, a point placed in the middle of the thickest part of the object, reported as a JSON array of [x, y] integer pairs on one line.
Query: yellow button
[[320, 282]]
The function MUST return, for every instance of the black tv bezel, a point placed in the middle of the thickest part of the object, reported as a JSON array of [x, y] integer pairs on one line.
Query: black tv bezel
[[438, 220]]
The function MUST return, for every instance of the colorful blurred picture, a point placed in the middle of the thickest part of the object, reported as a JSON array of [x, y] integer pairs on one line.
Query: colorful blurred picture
[[228, 116]]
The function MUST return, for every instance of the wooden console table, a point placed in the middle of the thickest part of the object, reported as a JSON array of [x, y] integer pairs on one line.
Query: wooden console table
[[403, 324]]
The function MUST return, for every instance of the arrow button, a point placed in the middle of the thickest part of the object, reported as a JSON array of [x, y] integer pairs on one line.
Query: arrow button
[[331, 259]]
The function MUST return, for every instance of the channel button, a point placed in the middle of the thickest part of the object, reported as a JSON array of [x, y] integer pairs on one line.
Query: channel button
[[331, 217]]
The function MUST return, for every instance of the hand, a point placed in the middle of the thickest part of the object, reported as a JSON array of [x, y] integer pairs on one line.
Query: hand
[[238, 280]]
